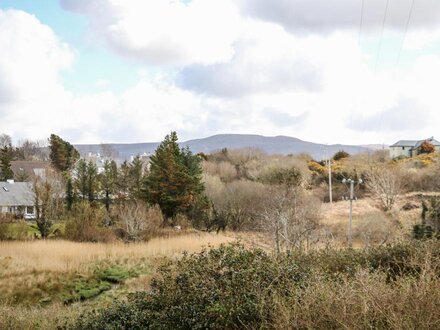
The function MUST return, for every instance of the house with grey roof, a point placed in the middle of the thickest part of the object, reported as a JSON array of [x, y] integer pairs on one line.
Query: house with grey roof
[[411, 148], [17, 198]]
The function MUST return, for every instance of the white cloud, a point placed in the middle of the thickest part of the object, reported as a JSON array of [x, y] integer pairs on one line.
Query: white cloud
[[323, 16], [261, 79], [163, 32]]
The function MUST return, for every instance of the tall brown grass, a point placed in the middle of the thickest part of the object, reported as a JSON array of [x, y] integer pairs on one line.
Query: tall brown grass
[[61, 256]]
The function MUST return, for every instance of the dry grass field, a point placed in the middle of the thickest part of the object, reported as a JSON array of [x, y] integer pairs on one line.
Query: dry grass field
[[65, 256], [38, 277]]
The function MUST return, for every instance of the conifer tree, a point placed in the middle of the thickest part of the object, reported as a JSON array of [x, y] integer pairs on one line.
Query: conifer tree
[[5, 163], [108, 181], [92, 181], [136, 173], [81, 178], [174, 181], [62, 155], [70, 195]]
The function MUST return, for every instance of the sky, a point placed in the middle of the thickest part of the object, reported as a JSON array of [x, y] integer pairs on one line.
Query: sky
[[100, 71]]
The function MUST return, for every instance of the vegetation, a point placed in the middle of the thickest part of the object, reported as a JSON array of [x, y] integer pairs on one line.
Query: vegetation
[[115, 225], [62, 154], [174, 182], [5, 163], [234, 288]]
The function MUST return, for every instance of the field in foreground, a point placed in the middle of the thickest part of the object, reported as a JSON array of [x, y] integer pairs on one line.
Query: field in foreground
[[42, 282]]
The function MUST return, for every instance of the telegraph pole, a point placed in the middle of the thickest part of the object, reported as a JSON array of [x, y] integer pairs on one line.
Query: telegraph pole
[[351, 182], [330, 193]]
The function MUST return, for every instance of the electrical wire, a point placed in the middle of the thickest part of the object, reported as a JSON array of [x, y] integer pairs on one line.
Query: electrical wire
[[381, 34], [361, 22], [405, 33]]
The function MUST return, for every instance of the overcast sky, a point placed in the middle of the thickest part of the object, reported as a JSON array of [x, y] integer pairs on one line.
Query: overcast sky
[[325, 71]]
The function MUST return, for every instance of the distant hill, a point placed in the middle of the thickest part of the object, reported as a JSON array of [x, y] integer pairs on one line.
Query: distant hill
[[271, 145]]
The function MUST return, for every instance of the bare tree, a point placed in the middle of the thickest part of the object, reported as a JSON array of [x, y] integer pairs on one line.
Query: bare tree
[[138, 219], [385, 184], [291, 216], [5, 140], [48, 201]]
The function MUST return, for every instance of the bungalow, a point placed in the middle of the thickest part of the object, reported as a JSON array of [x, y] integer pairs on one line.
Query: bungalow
[[17, 198], [410, 148]]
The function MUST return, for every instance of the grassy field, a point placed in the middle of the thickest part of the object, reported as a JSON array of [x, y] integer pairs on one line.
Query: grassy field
[[43, 280]]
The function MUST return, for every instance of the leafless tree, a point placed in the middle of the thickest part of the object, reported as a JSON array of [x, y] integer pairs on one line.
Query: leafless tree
[[290, 216], [48, 201], [5, 140], [138, 219], [385, 185]]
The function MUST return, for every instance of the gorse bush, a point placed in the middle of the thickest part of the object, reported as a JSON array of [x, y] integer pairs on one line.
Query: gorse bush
[[234, 288]]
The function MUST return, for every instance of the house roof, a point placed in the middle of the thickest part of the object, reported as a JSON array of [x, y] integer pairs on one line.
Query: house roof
[[30, 169], [415, 143], [16, 194], [405, 143]]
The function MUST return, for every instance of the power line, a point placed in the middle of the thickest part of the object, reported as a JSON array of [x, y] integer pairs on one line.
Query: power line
[[381, 34], [362, 20], [406, 31]]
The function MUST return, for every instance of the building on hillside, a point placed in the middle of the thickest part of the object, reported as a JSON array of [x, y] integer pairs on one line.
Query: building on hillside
[[145, 159], [411, 148], [96, 159], [29, 170], [17, 198]]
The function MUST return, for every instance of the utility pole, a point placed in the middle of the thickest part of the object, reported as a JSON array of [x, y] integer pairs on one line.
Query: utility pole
[[330, 193], [351, 182]]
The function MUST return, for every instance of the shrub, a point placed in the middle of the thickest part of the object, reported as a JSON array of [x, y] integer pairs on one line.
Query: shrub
[[86, 224], [340, 155], [234, 288], [225, 288]]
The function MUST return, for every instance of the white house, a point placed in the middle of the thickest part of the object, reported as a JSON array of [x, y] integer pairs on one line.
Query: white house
[[410, 148], [17, 198]]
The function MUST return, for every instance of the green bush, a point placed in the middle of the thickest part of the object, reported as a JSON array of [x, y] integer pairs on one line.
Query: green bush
[[235, 288]]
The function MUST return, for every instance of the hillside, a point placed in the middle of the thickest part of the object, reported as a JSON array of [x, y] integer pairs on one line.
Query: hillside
[[271, 145]]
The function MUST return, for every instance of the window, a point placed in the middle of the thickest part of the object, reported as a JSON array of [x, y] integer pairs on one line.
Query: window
[[403, 148], [29, 209]]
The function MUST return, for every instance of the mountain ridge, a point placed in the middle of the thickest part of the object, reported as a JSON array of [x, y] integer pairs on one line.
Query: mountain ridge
[[280, 144]]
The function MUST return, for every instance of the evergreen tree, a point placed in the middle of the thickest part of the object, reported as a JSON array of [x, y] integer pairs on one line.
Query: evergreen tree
[[123, 181], [62, 155], [70, 194], [108, 181], [92, 181], [174, 181], [136, 173], [5, 163], [81, 178]]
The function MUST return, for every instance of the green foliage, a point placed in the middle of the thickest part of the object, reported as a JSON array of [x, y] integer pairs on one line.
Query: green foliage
[[6, 172], [86, 180], [70, 194], [289, 177], [62, 155], [340, 155], [108, 180], [234, 288], [174, 181], [85, 289], [136, 175], [116, 274], [92, 181]]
